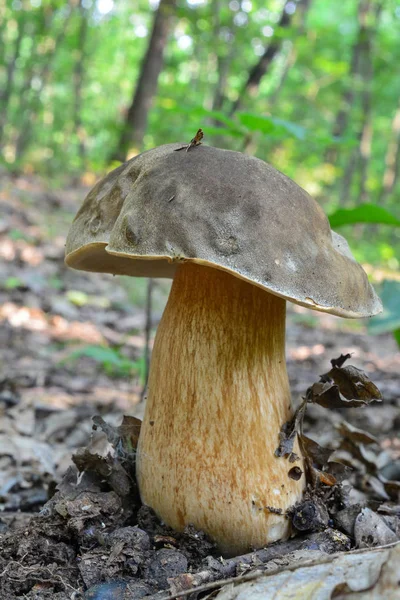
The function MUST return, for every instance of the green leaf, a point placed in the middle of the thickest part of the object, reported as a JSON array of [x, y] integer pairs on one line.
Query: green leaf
[[396, 334], [111, 360], [365, 213], [271, 125], [256, 123], [389, 319], [297, 131], [222, 131], [202, 113], [101, 354]]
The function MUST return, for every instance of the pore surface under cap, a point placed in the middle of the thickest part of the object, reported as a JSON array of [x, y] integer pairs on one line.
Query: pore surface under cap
[[223, 209]]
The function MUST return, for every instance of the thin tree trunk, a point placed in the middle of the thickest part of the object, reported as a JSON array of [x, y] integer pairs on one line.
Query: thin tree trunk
[[251, 141], [260, 69], [135, 123], [349, 94], [223, 57], [147, 332], [78, 82], [392, 160], [223, 60], [369, 16], [5, 95], [290, 60], [365, 155]]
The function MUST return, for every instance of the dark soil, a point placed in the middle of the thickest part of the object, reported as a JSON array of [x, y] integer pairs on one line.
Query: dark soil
[[70, 536]]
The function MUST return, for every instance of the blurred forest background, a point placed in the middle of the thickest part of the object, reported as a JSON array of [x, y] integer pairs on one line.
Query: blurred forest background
[[311, 86]]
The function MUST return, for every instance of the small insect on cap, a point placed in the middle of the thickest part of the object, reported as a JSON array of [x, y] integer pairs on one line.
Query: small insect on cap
[[222, 209]]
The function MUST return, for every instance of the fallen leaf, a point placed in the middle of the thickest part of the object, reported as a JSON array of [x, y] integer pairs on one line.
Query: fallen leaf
[[289, 431], [318, 455], [371, 530], [350, 432], [344, 387], [354, 572], [99, 457]]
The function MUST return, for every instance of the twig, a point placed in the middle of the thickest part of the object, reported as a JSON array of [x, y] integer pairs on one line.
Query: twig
[[149, 298], [255, 574]]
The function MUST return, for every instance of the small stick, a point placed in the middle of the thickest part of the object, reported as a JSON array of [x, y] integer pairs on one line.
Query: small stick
[[149, 297], [255, 574]]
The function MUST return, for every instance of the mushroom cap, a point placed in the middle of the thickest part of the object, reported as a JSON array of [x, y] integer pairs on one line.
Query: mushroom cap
[[222, 209]]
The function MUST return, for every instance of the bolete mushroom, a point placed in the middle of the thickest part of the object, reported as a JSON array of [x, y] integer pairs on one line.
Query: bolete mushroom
[[239, 238]]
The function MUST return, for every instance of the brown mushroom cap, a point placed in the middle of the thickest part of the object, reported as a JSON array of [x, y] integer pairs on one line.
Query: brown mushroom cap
[[222, 209]]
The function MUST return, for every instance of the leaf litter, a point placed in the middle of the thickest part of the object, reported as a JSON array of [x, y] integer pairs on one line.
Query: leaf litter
[[91, 537], [95, 531]]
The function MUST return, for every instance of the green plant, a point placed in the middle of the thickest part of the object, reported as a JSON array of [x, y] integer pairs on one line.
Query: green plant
[[17, 234], [112, 361], [365, 213], [12, 283]]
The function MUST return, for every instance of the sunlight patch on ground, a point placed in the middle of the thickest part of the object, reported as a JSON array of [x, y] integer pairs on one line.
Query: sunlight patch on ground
[[55, 326]]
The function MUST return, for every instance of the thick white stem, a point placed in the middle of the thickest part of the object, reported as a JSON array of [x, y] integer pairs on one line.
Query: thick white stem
[[218, 396]]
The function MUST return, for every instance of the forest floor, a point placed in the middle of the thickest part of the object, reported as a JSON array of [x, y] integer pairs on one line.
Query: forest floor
[[71, 347]]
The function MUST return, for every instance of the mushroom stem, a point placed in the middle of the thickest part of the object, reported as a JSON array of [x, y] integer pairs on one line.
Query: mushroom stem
[[218, 396]]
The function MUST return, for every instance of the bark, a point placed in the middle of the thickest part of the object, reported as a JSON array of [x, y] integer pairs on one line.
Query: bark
[[262, 67], [135, 123], [392, 160]]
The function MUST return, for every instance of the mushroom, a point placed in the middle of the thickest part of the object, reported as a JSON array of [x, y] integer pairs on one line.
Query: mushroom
[[239, 239]]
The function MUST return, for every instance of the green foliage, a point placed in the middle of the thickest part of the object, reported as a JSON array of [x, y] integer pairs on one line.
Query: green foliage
[[365, 213], [389, 319], [271, 126], [111, 360], [64, 97]]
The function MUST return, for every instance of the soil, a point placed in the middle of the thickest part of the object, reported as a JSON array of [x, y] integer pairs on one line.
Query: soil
[[70, 535]]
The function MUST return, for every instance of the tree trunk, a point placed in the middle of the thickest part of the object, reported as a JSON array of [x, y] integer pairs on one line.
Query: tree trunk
[[392, 160], [10, 70], [260, 69], [368, 17], [349, 94], [223, 59], [251, 141], [78, 81], [135, 123]]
